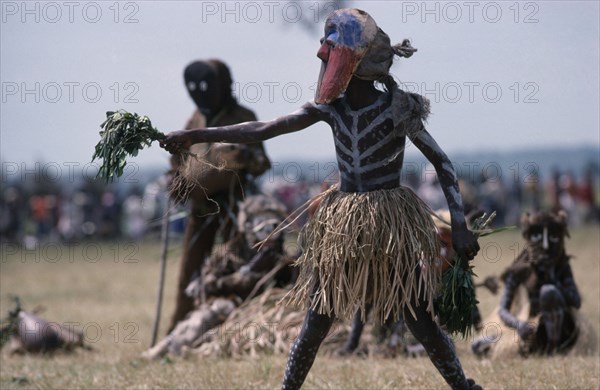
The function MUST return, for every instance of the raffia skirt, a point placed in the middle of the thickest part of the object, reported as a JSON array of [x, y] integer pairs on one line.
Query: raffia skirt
[[373, 248]]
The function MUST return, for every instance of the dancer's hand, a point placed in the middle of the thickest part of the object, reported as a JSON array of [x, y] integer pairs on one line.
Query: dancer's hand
[[177, 141], [525, 330], [465, 244]]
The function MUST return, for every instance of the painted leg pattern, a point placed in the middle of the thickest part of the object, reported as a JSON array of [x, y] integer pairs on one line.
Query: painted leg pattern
[[439, 348], [303, 352]]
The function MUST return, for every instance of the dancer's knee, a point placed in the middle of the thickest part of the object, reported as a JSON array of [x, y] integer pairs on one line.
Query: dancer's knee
[[551, 298], [316, 326], [419, 320]]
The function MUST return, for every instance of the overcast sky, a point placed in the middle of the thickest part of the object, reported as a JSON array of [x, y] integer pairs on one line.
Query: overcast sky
[[500, 75]]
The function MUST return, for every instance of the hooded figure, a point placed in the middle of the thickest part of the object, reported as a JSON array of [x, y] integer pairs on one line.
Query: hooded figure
[[213, 193], [371, 241]]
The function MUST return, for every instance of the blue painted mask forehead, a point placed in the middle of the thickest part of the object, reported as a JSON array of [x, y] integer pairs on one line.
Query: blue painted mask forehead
[[344, 28]]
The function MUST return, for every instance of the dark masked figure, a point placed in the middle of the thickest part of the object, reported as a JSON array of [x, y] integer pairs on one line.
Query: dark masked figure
[[541, 277], [212, 191]]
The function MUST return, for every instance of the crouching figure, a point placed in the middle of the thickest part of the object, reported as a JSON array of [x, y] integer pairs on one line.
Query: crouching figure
[[540, 301], [234, 272]]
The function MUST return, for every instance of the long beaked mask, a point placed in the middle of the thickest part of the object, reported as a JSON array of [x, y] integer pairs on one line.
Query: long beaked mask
[[348, 35]]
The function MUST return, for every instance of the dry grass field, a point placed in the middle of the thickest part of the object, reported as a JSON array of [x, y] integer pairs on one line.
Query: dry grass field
[[109, 291]]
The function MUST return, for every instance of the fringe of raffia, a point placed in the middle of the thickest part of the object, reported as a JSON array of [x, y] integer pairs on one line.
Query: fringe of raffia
[[188, 179], [365, 248], [260, 327]]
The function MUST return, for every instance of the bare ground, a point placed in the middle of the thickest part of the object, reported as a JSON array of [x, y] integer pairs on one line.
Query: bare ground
[[108, 290]]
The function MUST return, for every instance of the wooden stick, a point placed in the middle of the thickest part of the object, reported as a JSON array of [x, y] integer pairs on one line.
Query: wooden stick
[[164, 238]]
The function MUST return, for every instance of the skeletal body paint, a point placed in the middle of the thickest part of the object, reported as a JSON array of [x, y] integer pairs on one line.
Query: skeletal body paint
[[370, 129], [363, 152]]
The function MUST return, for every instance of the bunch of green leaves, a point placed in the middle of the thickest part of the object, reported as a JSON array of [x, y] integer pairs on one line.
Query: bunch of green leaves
[[123, 134], [458, 302], [9, 325]]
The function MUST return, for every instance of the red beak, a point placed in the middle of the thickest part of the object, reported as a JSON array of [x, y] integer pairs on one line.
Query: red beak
[[336, 72]]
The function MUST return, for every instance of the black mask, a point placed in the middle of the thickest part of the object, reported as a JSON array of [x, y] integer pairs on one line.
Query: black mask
[[203, 85]]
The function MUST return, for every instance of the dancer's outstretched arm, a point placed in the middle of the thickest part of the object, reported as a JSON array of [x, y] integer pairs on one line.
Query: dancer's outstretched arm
[[247, 132]]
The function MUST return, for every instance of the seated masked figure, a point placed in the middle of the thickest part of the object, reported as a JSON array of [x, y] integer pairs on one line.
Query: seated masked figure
[[232, 273], [541, 276]]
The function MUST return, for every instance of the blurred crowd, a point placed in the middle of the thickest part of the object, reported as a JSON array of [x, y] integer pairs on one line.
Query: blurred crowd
[[577, 195], [98, 211], [94, 211]]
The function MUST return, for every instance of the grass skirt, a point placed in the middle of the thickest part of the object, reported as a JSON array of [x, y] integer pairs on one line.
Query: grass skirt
[[373, 248]]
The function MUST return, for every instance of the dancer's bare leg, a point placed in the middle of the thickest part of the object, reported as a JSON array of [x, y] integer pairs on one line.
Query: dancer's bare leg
[[438, 346], [305, 348]]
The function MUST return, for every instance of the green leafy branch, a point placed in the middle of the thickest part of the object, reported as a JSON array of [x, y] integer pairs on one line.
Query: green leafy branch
[[124, 134], [458, 301]]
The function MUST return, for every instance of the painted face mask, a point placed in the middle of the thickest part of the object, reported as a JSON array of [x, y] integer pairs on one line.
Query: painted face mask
[[545, 234], [348, 35]]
